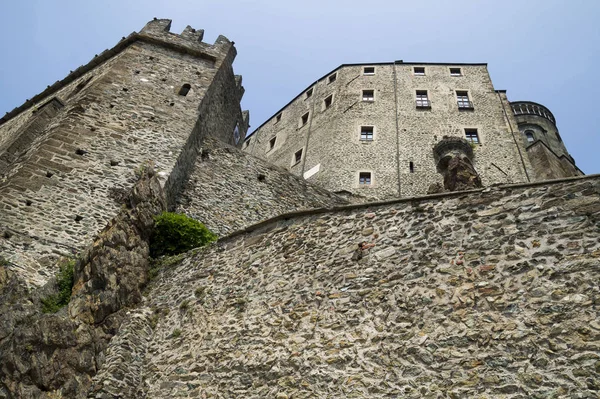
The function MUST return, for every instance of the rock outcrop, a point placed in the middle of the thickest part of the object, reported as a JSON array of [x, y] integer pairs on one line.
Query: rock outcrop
[[56, 355]]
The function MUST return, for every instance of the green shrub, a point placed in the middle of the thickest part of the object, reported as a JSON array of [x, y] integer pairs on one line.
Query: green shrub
[[65, 278], [175, 233]]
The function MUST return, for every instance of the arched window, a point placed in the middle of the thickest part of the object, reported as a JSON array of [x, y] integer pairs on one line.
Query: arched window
[[185, 89], [530, 136]]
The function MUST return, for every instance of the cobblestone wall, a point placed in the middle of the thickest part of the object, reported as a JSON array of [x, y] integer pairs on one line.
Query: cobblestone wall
[[491, 293], [118, 117]]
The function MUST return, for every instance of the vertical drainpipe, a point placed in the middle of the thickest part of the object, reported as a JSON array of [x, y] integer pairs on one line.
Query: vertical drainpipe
[[513, 135], [397, 129]]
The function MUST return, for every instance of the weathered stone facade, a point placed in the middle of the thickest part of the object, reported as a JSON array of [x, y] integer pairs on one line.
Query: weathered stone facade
[[488, 293], [407, 108], [69, 154]]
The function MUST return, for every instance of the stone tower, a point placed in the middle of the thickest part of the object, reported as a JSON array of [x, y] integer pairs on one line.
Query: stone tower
[[68, 154]]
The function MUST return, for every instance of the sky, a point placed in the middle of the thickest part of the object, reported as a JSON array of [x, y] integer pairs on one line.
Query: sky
[[547, 51]]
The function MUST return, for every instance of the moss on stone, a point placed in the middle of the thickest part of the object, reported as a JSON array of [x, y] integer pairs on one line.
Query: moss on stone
[[175, 233], [64, 281]]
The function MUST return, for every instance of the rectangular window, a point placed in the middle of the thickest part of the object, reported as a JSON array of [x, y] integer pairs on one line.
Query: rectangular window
[[455, 72], [366, 133], [272, 143], [419, 71], [369, 71], [328, 100], [332, 78], [364, 178], [309, 93], [278, 118], [297, 157], [368, 95], [422, 99], [462, 99], [304, 119], [472, 136]]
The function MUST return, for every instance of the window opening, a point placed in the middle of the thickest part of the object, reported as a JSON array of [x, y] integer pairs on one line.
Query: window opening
[[462, 99], [369, 71], [472, 136], [422, 99], [419, 71], [455, 72], [304, 119], [364, 178], [332, 78], [328, 101], [278, 118], [530, 136], [185, 89], [368, 95], [298, 157], [366, 133], [411, 167], [309, 93], [272, 143]]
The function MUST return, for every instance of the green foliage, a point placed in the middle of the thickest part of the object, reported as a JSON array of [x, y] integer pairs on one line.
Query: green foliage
[[176, 333], [175, 233], [3, 261], [65, 278]]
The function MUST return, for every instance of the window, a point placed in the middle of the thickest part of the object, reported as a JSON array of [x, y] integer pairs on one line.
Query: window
[[462, 99], [332, 78], [364, 178], [455, 72], [185, 89], [411, 167], [369, 71], [419, 71], [236, 133], [272, 143], [472, 136], [297, 157], [366, 133], [328, 101], [422, 99], [246, 143], [368, 95], [309, 93], [304, 119], [530, 136], [278, 118]]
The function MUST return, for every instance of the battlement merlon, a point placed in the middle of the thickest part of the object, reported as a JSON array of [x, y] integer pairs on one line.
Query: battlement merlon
[[156, 32]]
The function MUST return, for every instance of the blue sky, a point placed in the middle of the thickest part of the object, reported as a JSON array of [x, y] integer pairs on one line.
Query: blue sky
[[547, 51]]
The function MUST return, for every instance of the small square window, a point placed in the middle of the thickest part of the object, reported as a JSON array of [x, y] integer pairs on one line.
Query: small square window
[[368, 95], [366, 133], [455, 72], [369, 71], [278, 118], [304, 119], [364, 178], [328, 100], [309, 93], [297, 157], [419, 71], [332, 78], [272, 143], [472, 136]]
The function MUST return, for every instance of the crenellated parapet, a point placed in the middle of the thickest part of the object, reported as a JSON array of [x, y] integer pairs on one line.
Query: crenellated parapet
[[531, 108]]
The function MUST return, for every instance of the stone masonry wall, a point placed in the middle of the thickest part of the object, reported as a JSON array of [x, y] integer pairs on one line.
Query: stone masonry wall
[[334, 155], [229, 190], [488, 293], [118, 118]]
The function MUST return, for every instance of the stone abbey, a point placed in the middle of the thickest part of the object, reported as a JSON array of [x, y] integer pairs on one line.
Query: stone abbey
[[371, 129], [398, 230]]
